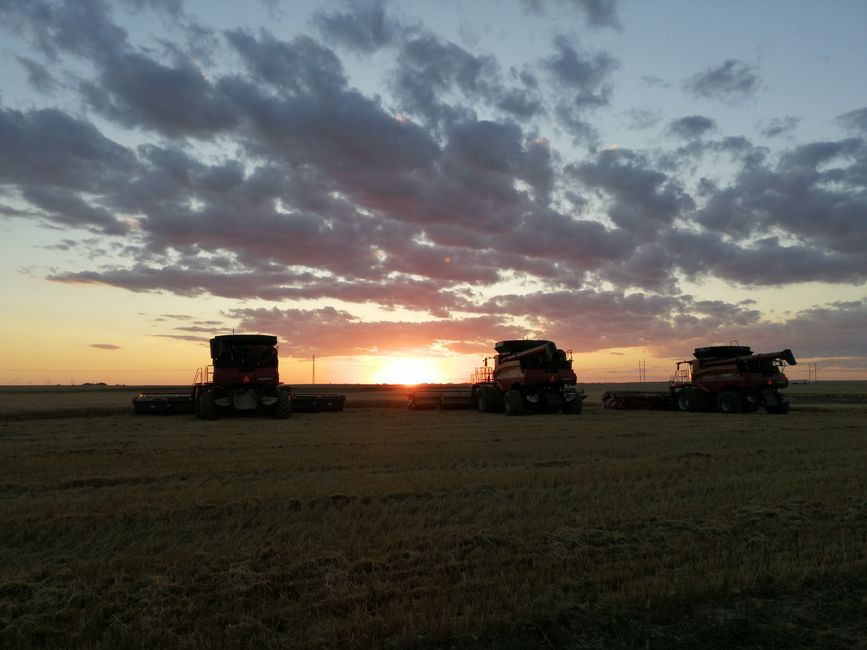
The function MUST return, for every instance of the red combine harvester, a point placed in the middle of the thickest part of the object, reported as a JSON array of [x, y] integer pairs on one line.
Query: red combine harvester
[[725, 378], [242, 377], [526, 376]]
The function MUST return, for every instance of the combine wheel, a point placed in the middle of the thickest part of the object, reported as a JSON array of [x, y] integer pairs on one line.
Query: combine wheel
[[730, 402], [489, 400], [697, 399], [690, 399], [610, 400], [573, 407], [207, 405], [283, 407], [513, 402]]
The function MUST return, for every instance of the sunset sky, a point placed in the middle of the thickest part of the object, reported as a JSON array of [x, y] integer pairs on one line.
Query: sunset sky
[[393, 186]]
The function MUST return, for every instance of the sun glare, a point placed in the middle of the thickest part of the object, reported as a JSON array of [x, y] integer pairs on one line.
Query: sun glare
[[408, 370]]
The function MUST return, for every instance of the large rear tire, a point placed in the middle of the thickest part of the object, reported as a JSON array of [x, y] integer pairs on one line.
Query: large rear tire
[[207, 405], [283, 407], [682, 400], [513, 402], [730, 402]]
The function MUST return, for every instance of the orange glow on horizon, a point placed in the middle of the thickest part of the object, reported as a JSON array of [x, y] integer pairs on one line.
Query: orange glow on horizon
[[408, 371]]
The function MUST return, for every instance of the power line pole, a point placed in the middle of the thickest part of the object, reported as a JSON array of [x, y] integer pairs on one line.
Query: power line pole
[[642, 371], [314, 369]]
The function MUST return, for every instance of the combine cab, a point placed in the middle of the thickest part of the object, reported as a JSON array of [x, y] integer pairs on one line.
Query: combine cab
[[242, 377], [526, 376], [724, 378]]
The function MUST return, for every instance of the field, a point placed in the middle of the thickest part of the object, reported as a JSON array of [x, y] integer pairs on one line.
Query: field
[[381, 527]]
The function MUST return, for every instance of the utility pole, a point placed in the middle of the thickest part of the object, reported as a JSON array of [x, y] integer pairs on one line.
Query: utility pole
[[642, 372], [314, 369]]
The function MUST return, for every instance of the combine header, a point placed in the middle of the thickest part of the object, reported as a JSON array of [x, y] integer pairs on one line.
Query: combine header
[[725, 378], [242, 377]]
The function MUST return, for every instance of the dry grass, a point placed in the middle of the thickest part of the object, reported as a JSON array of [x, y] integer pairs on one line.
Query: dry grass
[[389, 528]]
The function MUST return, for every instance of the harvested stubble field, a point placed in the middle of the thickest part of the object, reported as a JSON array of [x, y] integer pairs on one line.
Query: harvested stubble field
[[381, 527]]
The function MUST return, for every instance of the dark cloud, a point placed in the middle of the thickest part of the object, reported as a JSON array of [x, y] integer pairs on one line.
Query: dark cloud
[[299, 67], [731, 82], [105, 346], [691, 127], [598, 13], [51, 158], [640, 199], [364, 26], [66, 208], [84, 28], [584, 83], [816, 193], [134, 89], [51, 148], [173, 8], [856, 120], [38, 75], [586, 74], [429, 69], [779, 126]]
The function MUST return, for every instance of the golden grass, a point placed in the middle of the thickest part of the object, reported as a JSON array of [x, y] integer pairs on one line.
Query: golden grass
[[390, 528]]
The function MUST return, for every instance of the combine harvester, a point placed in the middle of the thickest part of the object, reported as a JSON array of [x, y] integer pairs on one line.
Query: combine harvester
[[724, 378], [242, 378], [526, 376]]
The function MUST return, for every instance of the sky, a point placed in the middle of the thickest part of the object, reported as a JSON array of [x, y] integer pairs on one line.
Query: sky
[[394, 186]]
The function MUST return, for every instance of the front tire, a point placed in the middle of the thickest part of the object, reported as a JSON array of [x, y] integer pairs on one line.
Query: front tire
[[283, 407], [207, 404], [513, 402], [574, 407], [730, 402]]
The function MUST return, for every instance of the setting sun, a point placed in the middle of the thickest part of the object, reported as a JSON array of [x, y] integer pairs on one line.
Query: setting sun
[[408, 370]]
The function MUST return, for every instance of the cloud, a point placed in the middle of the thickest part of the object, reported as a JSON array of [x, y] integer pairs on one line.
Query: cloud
[[640, 198], [731, 82], [83, 28], [301, 66], [132, 91], [816, 193], [855, 120], [38, 76], [430, 69], [105, 346], [173, 8], [779, 126], [332, 332], [691, 127], [52, 158], [584, 81], [365, 26], [597, 13]]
